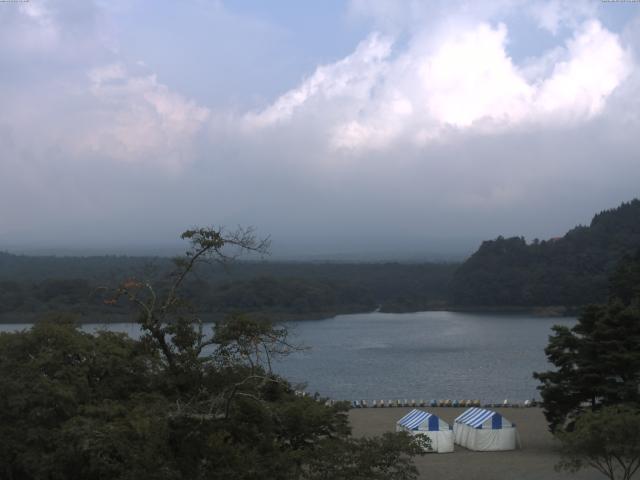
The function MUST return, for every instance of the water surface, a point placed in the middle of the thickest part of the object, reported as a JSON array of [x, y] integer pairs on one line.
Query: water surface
[[428, 355]]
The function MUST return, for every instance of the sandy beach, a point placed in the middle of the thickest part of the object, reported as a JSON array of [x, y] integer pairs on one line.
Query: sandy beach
[[534, 461]]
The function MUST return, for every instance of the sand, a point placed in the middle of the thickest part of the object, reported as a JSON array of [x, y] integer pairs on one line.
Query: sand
[[535, 460]]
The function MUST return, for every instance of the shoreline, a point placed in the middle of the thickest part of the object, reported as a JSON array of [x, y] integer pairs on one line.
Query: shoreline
[[28, 318], [540, 311]]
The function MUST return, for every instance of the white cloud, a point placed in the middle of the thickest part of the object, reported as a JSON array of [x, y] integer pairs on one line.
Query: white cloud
[[595, 65], [351, 78], [470, 77], [118, 110], [463, 79], [105, 74], [136, 118]]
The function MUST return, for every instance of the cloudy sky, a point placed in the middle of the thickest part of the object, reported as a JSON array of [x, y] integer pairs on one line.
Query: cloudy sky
[[334, 126]]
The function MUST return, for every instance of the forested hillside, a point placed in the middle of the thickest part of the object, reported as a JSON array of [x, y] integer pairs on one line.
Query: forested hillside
[[33, 285], [570, 271]]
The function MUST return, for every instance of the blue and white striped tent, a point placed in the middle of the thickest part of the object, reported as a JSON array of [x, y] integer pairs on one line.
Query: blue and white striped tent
[[485, 430], [419, 422], [479, 417]]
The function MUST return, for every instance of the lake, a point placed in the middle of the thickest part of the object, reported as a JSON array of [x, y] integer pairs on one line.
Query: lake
[[429, 355]]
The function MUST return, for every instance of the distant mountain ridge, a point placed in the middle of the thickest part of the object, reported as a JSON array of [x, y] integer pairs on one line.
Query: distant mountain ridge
[[572, 270]]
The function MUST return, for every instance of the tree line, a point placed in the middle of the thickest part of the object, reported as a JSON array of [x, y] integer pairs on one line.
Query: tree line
[[274, 288]]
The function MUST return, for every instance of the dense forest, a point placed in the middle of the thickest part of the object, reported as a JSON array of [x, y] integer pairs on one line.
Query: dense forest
[[32, 285], [569, 271]]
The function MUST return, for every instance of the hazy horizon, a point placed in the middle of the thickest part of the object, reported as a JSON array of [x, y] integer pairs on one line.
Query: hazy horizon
[[453, 249], [337, 249]]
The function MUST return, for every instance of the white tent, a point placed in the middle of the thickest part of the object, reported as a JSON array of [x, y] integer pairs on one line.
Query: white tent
[[419, 422], [485, 430]]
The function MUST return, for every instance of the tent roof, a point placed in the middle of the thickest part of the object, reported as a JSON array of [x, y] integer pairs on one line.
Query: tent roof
[[415, 418], [474, 417]]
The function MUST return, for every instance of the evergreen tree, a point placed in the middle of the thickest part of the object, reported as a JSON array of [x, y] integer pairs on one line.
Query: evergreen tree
[[598, 360]]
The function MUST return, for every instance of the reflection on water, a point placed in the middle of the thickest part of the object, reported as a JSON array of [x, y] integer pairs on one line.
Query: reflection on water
[[430, 355]]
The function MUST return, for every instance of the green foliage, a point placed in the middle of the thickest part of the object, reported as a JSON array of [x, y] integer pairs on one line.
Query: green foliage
[[625, 281], [62, 391], [607, 440], [33, 285], [67, 291], [570, 271], [366, 459], [598, 360], [11, 296], [292, 295], [180, 403], [79, 406]]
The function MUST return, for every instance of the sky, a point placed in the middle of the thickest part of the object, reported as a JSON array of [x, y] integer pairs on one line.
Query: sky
[[339, 128]]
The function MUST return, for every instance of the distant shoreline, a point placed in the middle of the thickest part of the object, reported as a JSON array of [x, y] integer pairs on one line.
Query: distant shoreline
[[28, 318], [546, 311]]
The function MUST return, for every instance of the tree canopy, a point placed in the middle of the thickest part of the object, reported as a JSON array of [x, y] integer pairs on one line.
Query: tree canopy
[[607, 440], [30, 286], [179, 403], [598, 360]]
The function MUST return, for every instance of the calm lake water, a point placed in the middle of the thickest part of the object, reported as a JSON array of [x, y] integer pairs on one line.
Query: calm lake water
[[430, 355]]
